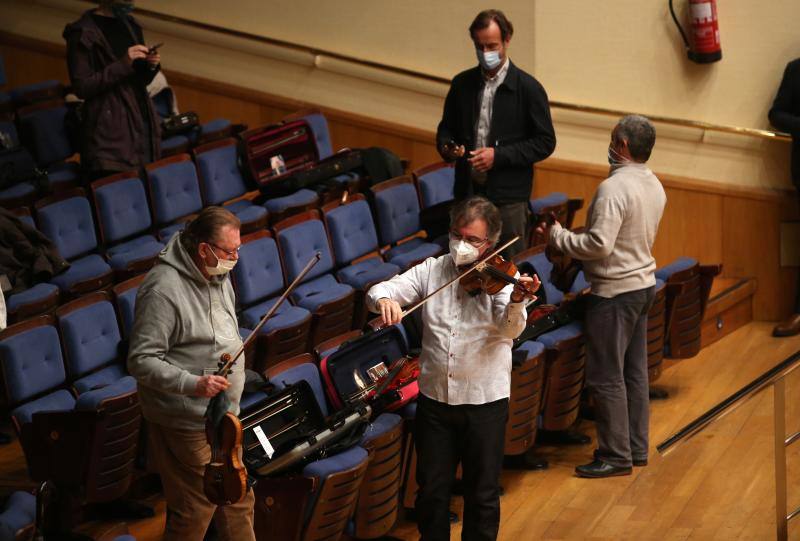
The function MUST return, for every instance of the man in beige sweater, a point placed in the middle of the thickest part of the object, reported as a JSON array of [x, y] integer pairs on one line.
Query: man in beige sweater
[[615, 249]]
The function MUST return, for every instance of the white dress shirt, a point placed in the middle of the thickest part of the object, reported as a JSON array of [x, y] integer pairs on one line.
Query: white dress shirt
[[466, 340], [491, 84]]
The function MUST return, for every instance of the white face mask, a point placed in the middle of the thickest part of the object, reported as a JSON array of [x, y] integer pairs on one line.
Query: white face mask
[[223, 266], [489, 59], [463, 253], [615, 158]]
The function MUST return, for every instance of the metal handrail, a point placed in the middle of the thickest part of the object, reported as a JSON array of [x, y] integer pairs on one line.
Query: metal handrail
[[726, 406], [776, 377], [317, 52]]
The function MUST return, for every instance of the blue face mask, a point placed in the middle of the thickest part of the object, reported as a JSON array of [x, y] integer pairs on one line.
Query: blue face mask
[[121, 9], [488, 60]]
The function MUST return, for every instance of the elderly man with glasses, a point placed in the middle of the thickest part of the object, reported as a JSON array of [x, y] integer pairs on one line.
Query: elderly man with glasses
[[185, 320], [465, 374]]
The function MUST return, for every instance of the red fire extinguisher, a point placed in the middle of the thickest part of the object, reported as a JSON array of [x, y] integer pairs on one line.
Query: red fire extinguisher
[[704, 47]]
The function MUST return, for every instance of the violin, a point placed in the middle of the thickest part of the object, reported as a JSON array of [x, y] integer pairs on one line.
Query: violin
[[492, 275], [225, 478], [403, 371]]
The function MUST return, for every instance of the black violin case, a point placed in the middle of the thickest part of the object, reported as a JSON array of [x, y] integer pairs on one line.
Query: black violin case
[[290, 429]]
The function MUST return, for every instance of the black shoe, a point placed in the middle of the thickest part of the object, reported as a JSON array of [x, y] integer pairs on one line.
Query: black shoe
[[598, 469], [525, 461], [411, 515], [657, 393], [561, 437], [640, 461]]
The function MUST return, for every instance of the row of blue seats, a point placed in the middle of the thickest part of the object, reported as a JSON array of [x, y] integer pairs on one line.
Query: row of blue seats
[[73, 363]]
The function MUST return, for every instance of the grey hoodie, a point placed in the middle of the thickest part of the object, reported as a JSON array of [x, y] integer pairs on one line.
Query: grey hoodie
[[183, 323]]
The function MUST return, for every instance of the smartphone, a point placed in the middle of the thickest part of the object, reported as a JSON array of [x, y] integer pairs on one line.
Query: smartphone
[[154, 48]]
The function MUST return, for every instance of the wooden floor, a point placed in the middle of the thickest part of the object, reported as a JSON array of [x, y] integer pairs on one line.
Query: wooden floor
[[719, 485]]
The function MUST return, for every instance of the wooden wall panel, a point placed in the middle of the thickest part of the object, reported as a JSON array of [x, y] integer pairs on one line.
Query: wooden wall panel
[[25, 65], [711, 222]]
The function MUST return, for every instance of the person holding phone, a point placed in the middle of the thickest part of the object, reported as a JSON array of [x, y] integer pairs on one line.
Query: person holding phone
[[110, 68], [496, 124]]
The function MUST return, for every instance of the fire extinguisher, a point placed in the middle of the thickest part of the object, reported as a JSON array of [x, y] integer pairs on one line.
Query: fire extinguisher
[[704, 46]]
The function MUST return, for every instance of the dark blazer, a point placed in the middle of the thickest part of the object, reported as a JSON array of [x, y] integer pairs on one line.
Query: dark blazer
[[785, 112], [114, 134], [521, 131]]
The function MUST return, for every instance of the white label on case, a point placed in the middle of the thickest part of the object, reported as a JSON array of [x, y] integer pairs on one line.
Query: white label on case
[[265, 444]]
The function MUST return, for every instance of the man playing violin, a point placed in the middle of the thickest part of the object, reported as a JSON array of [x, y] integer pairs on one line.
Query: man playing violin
[[465, 372], [185, 319]]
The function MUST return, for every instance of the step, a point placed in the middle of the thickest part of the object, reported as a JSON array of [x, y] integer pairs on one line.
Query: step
[[730, 306]]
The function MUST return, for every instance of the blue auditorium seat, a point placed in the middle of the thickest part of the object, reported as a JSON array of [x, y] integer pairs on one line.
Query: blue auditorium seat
[[436, 183], [213, 129], [123, 216], [125, 300], [19, 513], [258, 279], [397, 210], [565, 375], [33, 366], [174, 192], [331, 302], [539, 204], [580, 283], [91, 342], [34, 300], [69, 224], [45, 132], [337, 469], [322, 136], [282, 207], [353, 236], [177, 144], [221, 181], [536, 258], [676, 266], [41, 90]]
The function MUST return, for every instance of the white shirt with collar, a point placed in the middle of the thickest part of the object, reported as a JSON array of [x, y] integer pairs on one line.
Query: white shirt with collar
[[491, 84], [466, 343]]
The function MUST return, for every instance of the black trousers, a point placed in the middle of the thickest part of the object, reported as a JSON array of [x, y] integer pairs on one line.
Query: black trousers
[[474, 436], [616, 372]]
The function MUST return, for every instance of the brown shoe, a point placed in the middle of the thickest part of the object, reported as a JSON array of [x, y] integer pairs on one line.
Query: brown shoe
[[790, 327]]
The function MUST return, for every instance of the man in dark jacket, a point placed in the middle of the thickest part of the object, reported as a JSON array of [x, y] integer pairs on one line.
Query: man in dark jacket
[[496, 125], [785, 115], [110, 69]]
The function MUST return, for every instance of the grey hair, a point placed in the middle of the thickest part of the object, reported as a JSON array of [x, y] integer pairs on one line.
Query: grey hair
[[640, 134], [207, 226], [468, 210]]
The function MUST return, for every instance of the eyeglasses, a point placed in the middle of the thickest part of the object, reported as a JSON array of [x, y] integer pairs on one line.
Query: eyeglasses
[[229, 253], [474, 241]]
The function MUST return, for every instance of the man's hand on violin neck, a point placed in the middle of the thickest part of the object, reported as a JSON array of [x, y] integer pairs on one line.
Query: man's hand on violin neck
[[525, 288], [391, 312], [209, 386]]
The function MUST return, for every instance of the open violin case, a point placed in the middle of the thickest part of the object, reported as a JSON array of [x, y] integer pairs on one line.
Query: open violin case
[[290, 429], [360, 367], [282, 158]]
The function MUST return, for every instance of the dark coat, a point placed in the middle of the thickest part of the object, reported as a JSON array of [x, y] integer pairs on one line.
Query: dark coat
[[115, 137], [521, 131], [785, 112], [27, 257]]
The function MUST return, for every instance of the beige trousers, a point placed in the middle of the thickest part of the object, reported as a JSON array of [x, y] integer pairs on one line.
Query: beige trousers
[[181, 457]]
